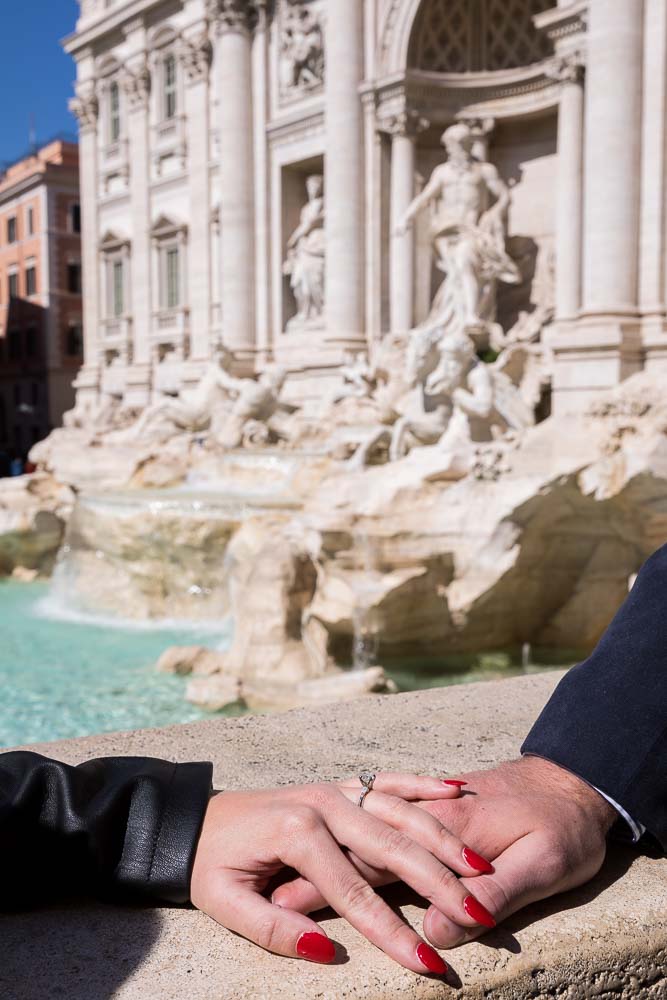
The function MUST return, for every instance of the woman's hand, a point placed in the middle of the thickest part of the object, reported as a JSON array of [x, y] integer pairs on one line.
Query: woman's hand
[[544, 828], [248, 837]]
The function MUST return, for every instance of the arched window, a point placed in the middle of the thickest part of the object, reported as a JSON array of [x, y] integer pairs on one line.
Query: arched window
[[467, 36], [169, 87]]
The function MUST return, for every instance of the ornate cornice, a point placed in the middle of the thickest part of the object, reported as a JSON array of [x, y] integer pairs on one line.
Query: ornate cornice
[[136, 84], [235, 15], [560, 23], [86, 107], [406, 123], [195, 55]]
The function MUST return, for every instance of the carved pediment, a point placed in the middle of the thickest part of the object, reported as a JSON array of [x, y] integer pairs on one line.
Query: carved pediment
[[113, 241], [166, 226]]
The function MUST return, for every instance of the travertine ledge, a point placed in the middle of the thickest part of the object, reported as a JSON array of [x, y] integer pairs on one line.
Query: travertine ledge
[[607, 940]]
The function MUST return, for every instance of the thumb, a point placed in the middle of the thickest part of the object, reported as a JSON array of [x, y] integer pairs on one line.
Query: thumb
[[527, 871]]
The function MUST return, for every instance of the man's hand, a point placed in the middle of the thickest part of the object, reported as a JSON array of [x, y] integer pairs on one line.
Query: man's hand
[[543, 828]]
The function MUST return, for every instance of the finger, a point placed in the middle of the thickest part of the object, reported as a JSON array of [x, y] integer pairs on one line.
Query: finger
[[524, 873], [425, 829], [320, 859], [381, 846], [236, 906], [301, 895], [410, 786]]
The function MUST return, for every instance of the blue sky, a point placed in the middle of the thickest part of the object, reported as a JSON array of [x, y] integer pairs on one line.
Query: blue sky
[[35, 74]]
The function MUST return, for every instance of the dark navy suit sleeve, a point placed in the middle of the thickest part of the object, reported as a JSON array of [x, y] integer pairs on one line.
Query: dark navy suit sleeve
[[114, 826], [607, 719]]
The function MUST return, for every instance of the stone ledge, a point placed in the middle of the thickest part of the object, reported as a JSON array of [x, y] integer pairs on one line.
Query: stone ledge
[[607, 940]]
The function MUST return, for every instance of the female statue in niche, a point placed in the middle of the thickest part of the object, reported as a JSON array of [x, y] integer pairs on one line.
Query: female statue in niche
[[305, 256]]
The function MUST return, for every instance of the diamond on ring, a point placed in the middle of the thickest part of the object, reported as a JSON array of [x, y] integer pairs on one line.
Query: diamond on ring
[[367, 779]]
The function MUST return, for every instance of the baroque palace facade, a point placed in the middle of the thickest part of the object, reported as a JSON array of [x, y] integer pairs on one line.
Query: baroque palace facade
[[246, 164]]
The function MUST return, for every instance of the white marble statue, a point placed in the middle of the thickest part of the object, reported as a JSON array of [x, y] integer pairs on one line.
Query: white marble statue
[[191, 411], [256, 402], [468, 202], [305, 257], [358, 381], [456, 402]]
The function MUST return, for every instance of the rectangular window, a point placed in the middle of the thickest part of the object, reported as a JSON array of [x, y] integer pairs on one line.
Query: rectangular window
[[31, 221], [14, 338], [117, 290], [12, 230], [31, 280], [172, 278], [74, 345], [114, 112], [74, 278], [31, 342], [75, 218], [170, 87], [13, 281]]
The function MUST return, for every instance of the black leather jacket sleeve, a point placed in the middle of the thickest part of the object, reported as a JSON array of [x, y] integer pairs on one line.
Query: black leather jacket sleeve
[[115, 826], [607, 719]]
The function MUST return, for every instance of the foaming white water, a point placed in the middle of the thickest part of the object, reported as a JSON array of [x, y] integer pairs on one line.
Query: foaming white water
[[54, 609]]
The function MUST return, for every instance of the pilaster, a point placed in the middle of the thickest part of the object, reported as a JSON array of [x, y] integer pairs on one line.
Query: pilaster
[[136, 83], [344, 174], [195, 56], [85, 106]]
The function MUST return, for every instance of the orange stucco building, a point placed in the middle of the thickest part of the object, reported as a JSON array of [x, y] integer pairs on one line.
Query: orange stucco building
[[41, 337]]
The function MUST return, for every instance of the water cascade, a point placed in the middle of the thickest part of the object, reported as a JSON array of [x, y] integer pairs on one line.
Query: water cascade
[[152, 555]]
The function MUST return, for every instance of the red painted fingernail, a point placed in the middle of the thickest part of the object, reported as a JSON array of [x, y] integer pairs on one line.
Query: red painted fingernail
[[316, 948], [430, 959], [479, 913], [476, 861], [454, 782]]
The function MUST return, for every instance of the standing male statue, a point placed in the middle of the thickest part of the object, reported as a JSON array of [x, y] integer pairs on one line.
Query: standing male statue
[[469, 201]]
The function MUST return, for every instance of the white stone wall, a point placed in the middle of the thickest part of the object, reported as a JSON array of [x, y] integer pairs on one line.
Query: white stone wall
[[225, 182]]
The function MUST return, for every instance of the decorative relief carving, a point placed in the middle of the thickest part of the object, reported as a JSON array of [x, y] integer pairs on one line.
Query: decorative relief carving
[[136, 84], [567, 68], [86, 107], [301, 47], [404, 123], [196, 54]]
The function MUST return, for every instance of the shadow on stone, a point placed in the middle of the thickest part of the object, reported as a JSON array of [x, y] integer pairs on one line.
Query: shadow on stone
[[77, 952]]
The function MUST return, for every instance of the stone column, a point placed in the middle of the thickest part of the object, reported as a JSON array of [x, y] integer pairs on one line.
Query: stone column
[[195, 58], [85, 107], [344, 173], [612, 159], [569, 200], [234, 23], [403, 128], [261, 76], [652, 261], [136, 86]]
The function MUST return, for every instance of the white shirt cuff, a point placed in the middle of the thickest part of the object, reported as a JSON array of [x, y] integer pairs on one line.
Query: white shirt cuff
[[638, 830]]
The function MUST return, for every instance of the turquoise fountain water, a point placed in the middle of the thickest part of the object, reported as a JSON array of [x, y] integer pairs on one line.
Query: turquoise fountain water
[[65, 678]]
